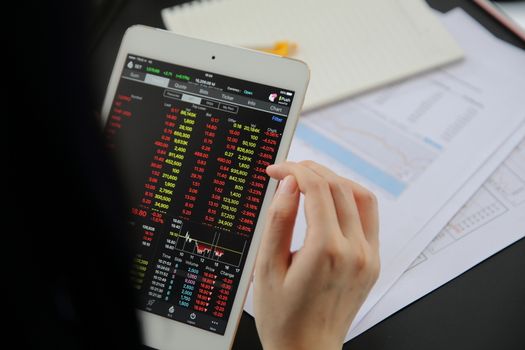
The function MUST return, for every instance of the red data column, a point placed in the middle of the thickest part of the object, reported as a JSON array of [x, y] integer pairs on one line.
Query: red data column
[[202, 156], [219, 182], [119, 112], [148, 201]]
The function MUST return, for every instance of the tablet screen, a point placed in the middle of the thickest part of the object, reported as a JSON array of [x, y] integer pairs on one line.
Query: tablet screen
[[193, 147]]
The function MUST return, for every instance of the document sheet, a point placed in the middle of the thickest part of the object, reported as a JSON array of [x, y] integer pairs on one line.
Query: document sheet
[[491, 220]]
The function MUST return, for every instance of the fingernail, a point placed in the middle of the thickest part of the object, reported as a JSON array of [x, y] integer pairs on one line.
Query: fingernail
[[270, 166], [288, 185]]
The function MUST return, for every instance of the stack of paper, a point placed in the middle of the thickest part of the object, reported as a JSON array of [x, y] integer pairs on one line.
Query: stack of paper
[[494, 217], [425, 147]]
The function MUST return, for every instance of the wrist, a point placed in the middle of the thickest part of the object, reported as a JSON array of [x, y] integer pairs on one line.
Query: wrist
[[301, 345]]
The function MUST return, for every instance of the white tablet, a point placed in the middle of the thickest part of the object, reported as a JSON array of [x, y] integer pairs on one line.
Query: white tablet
[[193, 126]]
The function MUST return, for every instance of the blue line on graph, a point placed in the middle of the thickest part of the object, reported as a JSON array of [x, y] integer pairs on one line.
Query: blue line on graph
[[351, 160], [432, 143]]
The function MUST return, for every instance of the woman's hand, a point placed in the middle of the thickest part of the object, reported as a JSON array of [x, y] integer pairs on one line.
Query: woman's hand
[[308, 299]]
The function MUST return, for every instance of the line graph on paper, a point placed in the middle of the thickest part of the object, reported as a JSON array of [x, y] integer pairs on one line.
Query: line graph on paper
[[389, 138], [380, 153], [208, 243], [399, 155]]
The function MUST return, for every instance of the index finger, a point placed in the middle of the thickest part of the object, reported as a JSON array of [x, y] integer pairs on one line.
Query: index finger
[[318, 202]]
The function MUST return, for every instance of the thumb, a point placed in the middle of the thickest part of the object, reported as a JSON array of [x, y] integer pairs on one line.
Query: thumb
[[275, 246]]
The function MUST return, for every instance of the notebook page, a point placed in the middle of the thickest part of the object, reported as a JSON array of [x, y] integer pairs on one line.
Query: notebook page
[[351, 46]]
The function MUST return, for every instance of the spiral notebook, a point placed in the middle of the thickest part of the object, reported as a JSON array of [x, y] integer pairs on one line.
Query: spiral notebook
[[351, 46]]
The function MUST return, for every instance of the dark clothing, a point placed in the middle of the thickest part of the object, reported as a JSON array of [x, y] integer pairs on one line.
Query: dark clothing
[[65, 215]]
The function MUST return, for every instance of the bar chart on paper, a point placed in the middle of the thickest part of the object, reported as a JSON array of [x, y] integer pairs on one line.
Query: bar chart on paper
[[503, 192], [509, 180], [481, 209]]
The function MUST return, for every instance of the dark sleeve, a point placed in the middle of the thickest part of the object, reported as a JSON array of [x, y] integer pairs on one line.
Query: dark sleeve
[[68, 255]]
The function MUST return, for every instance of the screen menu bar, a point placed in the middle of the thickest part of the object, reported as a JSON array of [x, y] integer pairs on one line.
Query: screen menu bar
[[209, 89]]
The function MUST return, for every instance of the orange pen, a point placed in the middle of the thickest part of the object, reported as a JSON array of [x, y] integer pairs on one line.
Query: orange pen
[[282, 48]]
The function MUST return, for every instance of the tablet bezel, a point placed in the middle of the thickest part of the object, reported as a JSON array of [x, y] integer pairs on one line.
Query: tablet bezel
[[160, 332]]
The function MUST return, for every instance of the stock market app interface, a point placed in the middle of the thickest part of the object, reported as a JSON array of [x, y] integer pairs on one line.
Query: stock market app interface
[[193, 147]]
